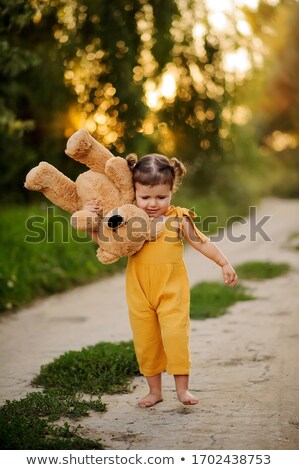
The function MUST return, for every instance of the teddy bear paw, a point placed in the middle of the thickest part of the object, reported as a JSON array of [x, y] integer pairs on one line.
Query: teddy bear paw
[[36, 179], [106, 257], [78, 144], [85, 221]]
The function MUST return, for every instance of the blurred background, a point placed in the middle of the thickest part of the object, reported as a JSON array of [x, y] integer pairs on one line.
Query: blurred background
[[214, 83]]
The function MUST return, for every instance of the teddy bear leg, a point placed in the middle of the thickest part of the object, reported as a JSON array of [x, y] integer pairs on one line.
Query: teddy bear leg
[[83, 148], [118, 171], [55, 186]]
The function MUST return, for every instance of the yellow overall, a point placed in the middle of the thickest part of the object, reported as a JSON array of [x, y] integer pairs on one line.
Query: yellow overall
[[158, 297]]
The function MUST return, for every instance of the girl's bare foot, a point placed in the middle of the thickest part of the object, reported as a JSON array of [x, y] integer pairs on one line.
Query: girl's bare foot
[[150, 399], [187, 398]]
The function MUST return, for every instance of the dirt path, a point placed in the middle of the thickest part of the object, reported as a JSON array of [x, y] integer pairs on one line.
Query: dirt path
[[245, 364]]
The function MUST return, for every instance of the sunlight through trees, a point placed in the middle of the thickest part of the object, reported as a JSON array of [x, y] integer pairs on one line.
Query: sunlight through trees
[[144, 75]]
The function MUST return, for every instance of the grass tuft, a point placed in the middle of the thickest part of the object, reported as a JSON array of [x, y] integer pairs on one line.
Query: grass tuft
[[256, 270], [212, 299], [103, 368], [27, 423], [53, 404]]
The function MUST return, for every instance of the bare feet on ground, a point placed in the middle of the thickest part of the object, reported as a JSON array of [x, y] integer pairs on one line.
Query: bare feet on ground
[[187, 398], [150, 399]]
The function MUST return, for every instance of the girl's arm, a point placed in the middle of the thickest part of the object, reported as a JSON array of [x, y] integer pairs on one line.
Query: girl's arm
[[211, 251]]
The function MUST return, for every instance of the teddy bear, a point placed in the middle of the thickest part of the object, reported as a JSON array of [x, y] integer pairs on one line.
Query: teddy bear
[[121, 227]]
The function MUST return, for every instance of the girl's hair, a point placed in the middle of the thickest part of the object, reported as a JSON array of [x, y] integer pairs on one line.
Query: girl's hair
[[154, 169]]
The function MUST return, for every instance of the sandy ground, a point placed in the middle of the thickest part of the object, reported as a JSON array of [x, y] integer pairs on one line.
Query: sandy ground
[[245, 365]]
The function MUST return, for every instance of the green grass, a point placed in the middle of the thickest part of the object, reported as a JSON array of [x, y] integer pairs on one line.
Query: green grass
[[256, 270], [29, 270], [29, 423], [31, 433], [212, 299], [103, 368], [37, 268], [53, 404]]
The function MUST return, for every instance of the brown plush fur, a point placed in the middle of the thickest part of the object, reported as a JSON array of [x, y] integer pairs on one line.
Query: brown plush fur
[[109, 182]]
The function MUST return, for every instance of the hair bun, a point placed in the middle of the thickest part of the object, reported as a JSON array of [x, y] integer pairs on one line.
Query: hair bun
[[132, 159], [179, 167]]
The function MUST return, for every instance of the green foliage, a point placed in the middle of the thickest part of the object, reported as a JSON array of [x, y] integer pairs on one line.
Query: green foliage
[[163, 13], [245, 174], [53, 262], [58, 259], [32, 92], [281, 90], [52, 405], [213, 206], [114, 23], [272, 94], [15, 59], [103, 368], [212, 299], [256, 270], [286, 186], [195, 140], [66, 62], [26, 423]]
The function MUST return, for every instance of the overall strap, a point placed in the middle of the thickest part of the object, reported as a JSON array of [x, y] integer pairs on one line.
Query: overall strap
[[180, 213]]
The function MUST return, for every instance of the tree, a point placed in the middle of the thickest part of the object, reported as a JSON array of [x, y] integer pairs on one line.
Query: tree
[[118, 56], [32, 94], [282, 104], [140, 75], [274, 93], [14, 60]]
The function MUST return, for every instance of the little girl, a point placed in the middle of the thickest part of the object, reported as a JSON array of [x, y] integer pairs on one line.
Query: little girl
[[157, 286]]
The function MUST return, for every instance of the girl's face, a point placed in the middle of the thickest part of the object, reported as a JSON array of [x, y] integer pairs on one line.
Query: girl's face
[[154, 200]]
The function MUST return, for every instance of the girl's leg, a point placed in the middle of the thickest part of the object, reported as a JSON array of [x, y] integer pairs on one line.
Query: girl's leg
[[182, 390], [155, 394]]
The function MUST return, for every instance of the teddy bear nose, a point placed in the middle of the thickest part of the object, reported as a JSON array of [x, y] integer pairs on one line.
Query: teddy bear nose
[[115, 221]]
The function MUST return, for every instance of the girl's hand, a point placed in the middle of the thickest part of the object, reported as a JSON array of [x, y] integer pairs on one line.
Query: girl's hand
[[93, 206], [229, 275]]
